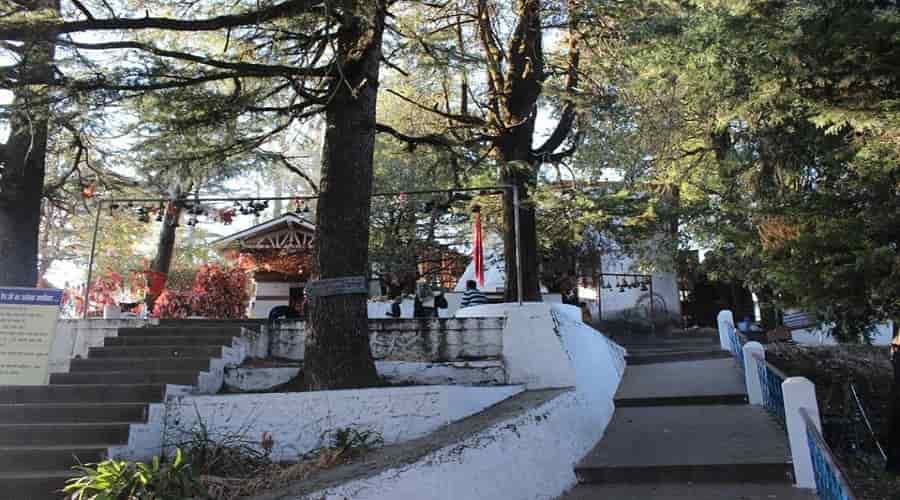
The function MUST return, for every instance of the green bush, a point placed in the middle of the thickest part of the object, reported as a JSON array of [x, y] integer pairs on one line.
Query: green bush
[[160, 479]]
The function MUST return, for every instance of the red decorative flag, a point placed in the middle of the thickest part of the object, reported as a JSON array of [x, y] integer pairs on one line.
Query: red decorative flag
[[478, 251]]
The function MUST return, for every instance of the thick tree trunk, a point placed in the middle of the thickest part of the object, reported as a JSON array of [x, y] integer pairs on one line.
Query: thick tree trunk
[[22, 175], [518, 98], [531, 288], [165, 245], [338, 355], [893, 445]]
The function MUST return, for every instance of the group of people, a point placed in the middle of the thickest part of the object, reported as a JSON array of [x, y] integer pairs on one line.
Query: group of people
[[428, 304], [425, 303]]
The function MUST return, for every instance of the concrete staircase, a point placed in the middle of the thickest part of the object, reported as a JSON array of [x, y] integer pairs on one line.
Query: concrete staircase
[[683, 430], [80, 415]]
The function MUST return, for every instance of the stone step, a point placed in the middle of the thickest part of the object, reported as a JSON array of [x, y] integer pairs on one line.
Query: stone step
[[72, 412], [669, 356], [708, 377], [158, 340], [180, 377], [49, 458], [87, 393], [64, 434], [688, 444], [690, 491], [177, 331], [163, 351], [34, 486], [710, 399], [145, 363]]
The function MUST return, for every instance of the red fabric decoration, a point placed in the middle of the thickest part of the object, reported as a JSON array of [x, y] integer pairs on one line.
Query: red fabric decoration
[[478, 251]]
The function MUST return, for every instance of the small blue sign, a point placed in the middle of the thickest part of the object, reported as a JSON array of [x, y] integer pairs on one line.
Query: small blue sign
[[31, 296]]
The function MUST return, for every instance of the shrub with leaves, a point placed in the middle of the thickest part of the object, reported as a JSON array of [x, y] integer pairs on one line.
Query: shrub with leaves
[[218, 292], [221, 292], [161, 479]]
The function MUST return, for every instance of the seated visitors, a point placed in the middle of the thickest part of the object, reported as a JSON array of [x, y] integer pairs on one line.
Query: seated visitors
[[395, 293], [440, 302], [294, 310], [473, 296]]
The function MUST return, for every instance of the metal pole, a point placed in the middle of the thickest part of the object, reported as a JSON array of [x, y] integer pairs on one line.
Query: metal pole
[[87, 286], [519, 287], [652, 322]]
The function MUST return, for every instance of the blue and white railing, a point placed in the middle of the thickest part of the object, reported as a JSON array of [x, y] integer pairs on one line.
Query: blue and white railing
[[770, 380], [793, 401], [831, 483]]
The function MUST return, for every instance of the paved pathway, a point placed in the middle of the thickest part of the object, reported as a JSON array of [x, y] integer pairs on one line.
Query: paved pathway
[[683, 430]]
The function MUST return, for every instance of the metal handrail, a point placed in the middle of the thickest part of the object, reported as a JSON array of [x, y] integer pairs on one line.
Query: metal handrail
[[770, 380], [831, 481]]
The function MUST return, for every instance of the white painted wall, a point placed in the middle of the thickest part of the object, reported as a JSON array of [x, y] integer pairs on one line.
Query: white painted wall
[[489, 372], [299, 422], [528, 457], [531, 350]]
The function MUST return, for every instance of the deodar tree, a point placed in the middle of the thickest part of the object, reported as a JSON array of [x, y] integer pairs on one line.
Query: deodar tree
[[278, 64], [494, 72]]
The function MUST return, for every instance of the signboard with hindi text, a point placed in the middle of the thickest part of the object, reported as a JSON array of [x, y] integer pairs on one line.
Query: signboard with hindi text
[[27, 327]]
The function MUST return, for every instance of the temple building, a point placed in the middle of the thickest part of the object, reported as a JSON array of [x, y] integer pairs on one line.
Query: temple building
[[280, 252]]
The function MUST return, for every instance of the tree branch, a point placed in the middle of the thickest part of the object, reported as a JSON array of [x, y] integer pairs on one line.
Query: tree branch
[[43, 29], [252, 68]]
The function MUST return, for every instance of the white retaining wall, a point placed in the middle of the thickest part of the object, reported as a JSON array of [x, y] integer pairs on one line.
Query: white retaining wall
[[529, 457], [299, 422], [488, 372]]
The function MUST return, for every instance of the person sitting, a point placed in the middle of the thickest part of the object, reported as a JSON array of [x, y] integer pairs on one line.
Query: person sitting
[[440, 302], [395, 293], [473, 296], [293, 311]]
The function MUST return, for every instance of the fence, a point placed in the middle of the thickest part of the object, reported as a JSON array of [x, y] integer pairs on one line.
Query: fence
[[770, 380], [831, 484], [736, 349], [793, 401]]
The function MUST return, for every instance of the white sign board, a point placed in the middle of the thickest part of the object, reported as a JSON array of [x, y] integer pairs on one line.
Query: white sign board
[[27, 327]]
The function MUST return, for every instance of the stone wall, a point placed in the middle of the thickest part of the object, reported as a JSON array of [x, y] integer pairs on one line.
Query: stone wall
[[417, 340]]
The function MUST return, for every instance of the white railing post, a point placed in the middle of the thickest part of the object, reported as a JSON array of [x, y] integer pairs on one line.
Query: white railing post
[[799, 392], [725, 320], [752, 351]]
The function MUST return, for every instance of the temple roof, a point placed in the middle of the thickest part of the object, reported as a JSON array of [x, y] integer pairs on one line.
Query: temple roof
[[288, 231]]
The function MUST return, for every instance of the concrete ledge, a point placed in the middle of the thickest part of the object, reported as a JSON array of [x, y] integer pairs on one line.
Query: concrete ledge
[[522, 449], [298, 422]]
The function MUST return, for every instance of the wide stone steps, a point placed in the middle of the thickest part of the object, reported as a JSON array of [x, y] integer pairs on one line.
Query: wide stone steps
[[46, 430], [33, 458], [169, 340], [78, 393], [682, 430], [35, 486], [178, 332], [164, 351], [68, 434], [180, 377], [716, 443], [12, 413], [143, 363], [688, 491]]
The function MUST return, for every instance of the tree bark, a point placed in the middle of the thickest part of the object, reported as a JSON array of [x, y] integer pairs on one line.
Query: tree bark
[[165, 245], [338, 355], [23, 170], [519, 104], [893, 445]]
